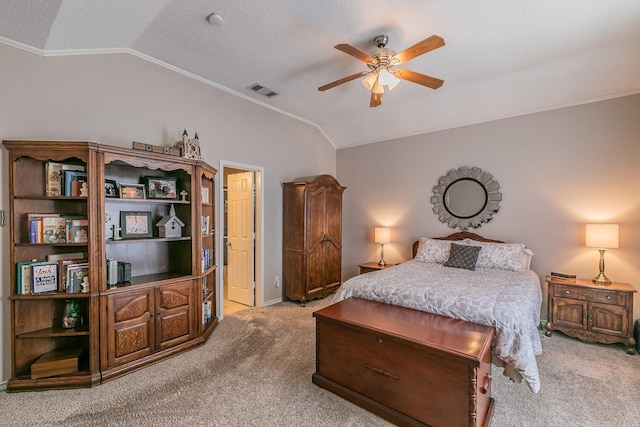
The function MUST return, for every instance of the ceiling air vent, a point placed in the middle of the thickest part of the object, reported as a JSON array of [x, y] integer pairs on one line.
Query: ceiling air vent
[[265, 91]]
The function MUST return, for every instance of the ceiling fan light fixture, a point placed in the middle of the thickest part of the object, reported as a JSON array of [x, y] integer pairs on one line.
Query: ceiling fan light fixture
[[386, 78], [378, 88], [369, 81]]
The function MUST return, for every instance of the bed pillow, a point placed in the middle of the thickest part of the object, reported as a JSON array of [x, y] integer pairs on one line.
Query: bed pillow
[[433, 250], [501, 256], [462, 256], [525, 258]]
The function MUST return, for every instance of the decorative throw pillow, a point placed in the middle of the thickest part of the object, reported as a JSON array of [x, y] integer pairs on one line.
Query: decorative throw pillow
[[502, 256], [462, 256], [433, 250]]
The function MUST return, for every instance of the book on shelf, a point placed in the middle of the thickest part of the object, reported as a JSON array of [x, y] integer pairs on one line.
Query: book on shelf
[[71, 255], [54, 177], [207, 259], [204, 191], [77, 278], [206, 312], [34, 221], [78, 230], [63, 266], [205, 225], [44, 277], [204, 286], [54, 229], [57, 228], [23, 277]]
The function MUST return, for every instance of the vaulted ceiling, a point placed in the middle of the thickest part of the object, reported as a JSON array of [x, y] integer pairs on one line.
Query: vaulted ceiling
[[502, 58]]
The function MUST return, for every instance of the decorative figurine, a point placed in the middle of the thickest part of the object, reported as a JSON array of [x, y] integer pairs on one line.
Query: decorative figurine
[[116, 232], [183, 195]]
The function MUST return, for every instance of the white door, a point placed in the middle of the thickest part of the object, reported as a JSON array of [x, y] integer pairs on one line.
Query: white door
[[240, 232]]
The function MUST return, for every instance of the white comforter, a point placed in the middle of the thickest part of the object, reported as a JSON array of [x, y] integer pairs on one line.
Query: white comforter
[[507, 300]]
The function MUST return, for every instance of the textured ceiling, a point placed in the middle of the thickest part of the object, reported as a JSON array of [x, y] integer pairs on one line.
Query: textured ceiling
[[502, 57]]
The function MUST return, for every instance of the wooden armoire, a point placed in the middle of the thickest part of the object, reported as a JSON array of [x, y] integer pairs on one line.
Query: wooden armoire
[[312, 237]]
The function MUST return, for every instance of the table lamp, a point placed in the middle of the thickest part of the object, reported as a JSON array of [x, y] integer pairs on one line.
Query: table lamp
[[382, 235], [601, 236]]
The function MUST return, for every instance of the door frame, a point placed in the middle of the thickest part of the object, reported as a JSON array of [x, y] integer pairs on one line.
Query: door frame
[[259, 242]]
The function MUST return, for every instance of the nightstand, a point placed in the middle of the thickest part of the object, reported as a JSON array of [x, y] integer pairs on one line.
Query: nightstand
[[368, 267], [591, 312]]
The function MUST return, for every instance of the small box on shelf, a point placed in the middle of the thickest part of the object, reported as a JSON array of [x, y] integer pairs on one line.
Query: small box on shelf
[[56, 363]]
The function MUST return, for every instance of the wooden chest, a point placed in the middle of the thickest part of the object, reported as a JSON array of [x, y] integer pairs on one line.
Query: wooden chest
[[409, 367]]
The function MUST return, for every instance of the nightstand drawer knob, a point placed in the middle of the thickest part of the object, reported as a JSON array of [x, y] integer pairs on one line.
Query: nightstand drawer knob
[[567, 292], [608, 296]]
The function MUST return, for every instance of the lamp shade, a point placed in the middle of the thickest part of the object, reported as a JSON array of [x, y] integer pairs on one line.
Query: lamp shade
[[603, 236], [382, 235]]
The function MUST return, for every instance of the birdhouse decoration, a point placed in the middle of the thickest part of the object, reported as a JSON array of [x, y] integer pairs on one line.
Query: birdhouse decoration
[[170, 225]]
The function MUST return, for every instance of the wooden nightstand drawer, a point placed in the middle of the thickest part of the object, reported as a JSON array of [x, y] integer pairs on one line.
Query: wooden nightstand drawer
[[591, 295]]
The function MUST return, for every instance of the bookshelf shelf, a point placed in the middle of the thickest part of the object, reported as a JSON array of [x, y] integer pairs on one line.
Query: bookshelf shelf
[[56, 332]]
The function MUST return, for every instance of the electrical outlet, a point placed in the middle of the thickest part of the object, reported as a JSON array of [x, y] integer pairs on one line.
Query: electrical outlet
[[277, 281]]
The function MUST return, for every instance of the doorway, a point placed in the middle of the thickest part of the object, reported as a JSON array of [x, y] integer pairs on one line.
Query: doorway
[[240, 278]]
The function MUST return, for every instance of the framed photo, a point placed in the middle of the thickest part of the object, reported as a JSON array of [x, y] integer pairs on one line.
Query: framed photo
[[110, 188], [136, 225], [161, 187], [132, 191], [75, 183]]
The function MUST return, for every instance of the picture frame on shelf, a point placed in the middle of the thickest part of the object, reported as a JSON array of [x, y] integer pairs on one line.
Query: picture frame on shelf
[[75, 183], [136, 224], [111, 188], [132, 191], [161, 187]]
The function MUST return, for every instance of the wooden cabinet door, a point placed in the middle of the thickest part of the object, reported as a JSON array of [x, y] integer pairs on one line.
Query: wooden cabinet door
[[316, 241], [130, 326], [333, 239], [175, 314], [570, 313], [608, 319]]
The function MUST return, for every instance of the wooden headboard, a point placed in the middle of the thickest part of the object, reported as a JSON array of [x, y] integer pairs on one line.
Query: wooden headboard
[[461, 235]]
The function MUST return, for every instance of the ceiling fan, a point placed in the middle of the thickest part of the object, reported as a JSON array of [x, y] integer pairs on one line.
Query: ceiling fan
[[382, 65]]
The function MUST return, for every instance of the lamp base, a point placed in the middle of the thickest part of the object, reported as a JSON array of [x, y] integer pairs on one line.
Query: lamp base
[[382, 263], [601, 279]]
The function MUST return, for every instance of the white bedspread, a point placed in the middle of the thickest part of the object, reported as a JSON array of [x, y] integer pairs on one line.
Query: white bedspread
[[507, 300]]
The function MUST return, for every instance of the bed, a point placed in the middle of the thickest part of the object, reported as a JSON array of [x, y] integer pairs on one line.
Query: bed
[[496, 289]]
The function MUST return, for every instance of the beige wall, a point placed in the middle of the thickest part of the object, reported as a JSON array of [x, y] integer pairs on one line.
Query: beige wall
[[557, 170], [119, 98]]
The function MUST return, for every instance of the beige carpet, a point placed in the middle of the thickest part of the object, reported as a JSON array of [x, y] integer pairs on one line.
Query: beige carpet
[[256, 371]]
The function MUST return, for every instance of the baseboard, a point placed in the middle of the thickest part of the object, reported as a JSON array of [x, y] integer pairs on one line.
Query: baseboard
[[273, 302], [3, 386]]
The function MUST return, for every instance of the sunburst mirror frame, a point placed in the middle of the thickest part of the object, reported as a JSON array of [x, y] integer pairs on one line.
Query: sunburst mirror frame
[[485, 181]]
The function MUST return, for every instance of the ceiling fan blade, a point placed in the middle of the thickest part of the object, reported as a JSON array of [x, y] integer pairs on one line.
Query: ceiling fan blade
[[376, 99], [343, 80], [421, 79], [417, 49], [356, 53]]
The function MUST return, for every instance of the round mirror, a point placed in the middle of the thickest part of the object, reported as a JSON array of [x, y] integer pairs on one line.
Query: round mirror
[[466, 197]]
